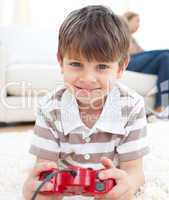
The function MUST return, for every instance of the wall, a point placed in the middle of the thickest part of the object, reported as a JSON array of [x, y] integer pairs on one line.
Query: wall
[[153, 33], [154, 29]]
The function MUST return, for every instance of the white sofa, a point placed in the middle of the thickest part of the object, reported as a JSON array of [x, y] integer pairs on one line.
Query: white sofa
[[28, 69]]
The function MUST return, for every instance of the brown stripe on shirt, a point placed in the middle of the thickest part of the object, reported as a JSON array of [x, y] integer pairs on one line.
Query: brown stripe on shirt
[[58, 94], [45, 133], [55, 114], [137, 116], [134, 155], [44, 154], [135, 135], [99, 137], [94, 157]]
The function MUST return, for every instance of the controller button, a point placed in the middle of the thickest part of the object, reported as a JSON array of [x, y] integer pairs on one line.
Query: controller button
[[100, 186], [86, 156]]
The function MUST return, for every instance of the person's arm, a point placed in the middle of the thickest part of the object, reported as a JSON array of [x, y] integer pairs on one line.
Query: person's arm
[[134, 47], [134, 169], [134, 146], [32, 181], [131, 149]]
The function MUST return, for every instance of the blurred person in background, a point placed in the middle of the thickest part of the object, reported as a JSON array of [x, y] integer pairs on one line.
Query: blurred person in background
[[149, 62]]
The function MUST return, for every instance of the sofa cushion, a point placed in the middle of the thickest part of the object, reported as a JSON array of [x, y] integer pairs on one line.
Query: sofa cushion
[[32, 79], [144, 84]]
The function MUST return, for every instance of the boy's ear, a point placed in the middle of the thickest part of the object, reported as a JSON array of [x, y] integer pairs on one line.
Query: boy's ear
[[123, 67]]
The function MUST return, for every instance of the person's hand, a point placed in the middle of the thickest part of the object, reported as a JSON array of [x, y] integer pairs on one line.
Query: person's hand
[[33, 182], [123, 190]]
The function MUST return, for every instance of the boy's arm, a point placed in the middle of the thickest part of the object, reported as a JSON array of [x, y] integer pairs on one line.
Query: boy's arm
[[134, 169], [32, 182], [130, 151]]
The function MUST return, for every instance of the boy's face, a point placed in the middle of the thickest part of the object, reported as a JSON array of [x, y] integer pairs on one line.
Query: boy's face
[[90, 82]]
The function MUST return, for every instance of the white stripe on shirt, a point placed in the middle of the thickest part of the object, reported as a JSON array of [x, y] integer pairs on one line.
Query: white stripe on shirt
[[132, 146], [45, 144], [138, 124], [86, 165], [88, 147]]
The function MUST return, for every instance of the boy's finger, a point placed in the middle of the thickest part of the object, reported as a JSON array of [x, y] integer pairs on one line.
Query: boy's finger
[[47, 187], [107, 162], [33, 186], [112, 173], [39, 167]]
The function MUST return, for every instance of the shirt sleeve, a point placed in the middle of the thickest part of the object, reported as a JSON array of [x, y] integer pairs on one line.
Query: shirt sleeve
[[134, 145], [45, 141]]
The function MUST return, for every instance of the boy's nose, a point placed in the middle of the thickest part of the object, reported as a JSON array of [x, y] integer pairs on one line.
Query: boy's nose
[[88, 78]]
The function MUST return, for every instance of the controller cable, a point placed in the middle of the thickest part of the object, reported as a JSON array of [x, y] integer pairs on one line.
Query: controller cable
[[48, 178]]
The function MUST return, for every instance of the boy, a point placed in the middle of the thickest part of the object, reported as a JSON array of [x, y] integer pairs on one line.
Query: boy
[[93, 121]]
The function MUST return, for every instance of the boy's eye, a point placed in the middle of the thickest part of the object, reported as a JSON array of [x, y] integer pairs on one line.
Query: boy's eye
[[75, 64], [102, 66]]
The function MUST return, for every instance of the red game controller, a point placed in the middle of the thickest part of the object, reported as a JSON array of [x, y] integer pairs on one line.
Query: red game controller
[[77, 181]]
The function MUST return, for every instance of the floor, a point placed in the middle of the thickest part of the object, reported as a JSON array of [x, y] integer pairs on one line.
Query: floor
[[16, 127]]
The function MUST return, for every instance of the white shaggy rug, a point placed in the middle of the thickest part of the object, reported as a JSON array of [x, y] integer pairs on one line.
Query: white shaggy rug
[[15, 163]]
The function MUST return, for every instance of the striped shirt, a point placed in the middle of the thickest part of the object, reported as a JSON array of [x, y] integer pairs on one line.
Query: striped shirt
[[119, 133]]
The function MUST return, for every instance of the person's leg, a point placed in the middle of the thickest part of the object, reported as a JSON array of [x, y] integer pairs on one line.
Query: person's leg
[[153, 62], [161, 63], [140, 61]]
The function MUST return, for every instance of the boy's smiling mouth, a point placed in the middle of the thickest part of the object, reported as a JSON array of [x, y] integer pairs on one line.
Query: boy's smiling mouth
[[86, 88]]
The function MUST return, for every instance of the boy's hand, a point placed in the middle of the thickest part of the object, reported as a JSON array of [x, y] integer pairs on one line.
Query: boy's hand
[[33, 182], [123, 189]]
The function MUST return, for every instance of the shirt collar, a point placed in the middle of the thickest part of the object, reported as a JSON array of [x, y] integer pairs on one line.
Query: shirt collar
[[111, 117], [70, 115], [109, 121]]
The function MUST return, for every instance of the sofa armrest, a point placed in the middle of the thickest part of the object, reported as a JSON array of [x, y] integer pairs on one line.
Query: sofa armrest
[[3, 69], [3, 93]]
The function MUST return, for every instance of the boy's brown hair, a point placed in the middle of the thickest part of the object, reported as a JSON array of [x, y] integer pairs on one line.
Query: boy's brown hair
[[94, 33]]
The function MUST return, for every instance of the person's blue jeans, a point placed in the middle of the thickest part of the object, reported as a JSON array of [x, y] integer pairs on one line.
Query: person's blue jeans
[[153, 62]]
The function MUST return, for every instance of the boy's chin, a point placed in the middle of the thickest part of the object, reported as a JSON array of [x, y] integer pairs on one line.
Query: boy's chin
[[84, 100], [95, 103]]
